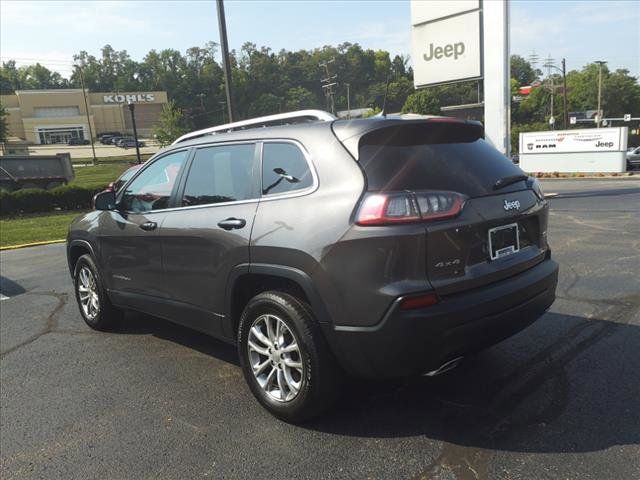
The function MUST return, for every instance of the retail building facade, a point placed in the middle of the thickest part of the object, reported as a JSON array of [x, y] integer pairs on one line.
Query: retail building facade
[[56, 116]]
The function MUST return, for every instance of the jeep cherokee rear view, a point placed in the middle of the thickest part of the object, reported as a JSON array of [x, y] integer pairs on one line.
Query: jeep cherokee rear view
[[380, 248]]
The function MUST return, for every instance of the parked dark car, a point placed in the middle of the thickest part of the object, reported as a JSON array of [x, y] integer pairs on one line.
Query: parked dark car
[[105, 138], [124, 178], [78, 141], [130, 143], [379, 247], [115, 140]]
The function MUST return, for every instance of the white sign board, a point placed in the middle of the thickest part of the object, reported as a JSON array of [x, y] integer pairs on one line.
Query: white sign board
[[569, 141], [429, 10], [446, 50], [627, 117]]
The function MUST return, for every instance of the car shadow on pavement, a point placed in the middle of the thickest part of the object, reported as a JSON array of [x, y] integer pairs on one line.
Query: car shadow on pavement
[[136, 323], [574, 391]]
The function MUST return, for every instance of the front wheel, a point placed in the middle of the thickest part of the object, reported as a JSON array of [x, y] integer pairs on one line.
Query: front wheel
[[95, 307], [284, 357]]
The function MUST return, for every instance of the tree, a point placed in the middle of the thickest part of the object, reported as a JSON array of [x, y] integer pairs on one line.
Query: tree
[[4, 125], [522, 71], [170, 125], [425, 102]]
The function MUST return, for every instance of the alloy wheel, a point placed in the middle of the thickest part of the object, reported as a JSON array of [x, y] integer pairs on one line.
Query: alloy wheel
[[275, 358], [88, 293]]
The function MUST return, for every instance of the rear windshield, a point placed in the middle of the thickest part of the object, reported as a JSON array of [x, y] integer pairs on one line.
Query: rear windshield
[[433, 157]]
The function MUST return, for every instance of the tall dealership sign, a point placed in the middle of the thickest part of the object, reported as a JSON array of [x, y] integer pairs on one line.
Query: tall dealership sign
[[466, 40]]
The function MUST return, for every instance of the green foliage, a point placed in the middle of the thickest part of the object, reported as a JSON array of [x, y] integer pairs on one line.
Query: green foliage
[[31, 200], [522, 71], [28, 77], [99, 175], [4, 126], [170, 125], [425, 102], [35, 228]]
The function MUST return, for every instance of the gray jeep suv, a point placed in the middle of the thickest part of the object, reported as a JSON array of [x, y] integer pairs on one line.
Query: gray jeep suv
[[380, 248]]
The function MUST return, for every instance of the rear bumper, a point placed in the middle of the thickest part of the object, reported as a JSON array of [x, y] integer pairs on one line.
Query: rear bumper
[[409, 342]]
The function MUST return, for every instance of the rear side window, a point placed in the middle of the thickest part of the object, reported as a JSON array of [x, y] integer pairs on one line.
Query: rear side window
[[224, 173], [284, 169], [433, 157]]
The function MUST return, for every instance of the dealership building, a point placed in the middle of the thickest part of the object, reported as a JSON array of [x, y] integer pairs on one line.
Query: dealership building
[[56, 116]]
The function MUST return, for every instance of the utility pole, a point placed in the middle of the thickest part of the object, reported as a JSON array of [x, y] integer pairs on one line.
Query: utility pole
[[348, 101], [86, 109], [222, 26], [132, 107], [600, 63], [327, 85], [565, 119]]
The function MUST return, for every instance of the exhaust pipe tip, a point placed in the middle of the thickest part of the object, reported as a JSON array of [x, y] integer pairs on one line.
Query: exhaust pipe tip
[[445, 367]]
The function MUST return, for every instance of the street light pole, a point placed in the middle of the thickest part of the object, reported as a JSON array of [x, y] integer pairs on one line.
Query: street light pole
[[226, 65], [132, 107], [86, 108], [348, 101], [600, 63]]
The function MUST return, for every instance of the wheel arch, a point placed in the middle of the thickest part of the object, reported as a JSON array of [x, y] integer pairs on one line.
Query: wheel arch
[[248, 280], [75, 250]]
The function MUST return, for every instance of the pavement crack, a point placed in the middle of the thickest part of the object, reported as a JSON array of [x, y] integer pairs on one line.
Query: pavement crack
[[50, 324]]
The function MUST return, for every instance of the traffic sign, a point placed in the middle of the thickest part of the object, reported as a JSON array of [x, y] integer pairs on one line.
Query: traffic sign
[[573, 120], [627, 117], [552, 120]]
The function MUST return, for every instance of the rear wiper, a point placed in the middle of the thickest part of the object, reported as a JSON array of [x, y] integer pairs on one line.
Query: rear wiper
[[503, 182]]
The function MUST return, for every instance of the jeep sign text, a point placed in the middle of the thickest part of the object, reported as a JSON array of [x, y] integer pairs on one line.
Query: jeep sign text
[[446, 50], [138, 97], [450, 50]]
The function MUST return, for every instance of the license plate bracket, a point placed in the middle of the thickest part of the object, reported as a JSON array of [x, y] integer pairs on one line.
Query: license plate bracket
[[503, 241]]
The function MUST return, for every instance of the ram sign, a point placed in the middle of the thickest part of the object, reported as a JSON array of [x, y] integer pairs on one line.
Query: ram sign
[[568, 141], [588, 150]]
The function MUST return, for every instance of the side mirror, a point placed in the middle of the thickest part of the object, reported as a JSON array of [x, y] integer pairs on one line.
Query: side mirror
[[105, 200]]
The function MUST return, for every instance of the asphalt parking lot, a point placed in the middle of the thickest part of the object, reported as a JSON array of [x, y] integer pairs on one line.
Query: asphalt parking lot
[[560, 400]]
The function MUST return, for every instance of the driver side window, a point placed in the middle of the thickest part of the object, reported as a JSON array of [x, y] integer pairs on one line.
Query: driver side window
[[151, 190]]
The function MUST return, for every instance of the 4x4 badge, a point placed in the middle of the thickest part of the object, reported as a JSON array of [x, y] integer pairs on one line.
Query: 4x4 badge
[[513, 205]]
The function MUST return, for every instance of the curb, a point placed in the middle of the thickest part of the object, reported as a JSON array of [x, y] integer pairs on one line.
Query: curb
[[34, 244], [610, 177]]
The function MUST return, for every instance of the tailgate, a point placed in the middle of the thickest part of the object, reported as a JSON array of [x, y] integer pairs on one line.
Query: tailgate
[[458, 251]]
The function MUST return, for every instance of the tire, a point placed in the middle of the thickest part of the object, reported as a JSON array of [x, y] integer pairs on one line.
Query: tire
[[317, 378], [98, 313]]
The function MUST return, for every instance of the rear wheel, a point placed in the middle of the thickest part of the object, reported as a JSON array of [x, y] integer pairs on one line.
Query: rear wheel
[[95, 307], [284, 357]]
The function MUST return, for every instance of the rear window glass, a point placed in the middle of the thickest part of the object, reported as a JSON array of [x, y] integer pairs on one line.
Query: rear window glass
[[284, 169], [433, 157]]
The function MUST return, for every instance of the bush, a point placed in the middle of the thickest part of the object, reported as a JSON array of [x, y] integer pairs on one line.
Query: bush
[[37, 200]]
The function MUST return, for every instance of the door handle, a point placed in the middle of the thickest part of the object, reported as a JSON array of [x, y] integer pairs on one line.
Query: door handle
[[148, 226], [232, 223]]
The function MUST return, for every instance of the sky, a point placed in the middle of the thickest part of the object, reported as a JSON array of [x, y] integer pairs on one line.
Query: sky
[[51, 32]]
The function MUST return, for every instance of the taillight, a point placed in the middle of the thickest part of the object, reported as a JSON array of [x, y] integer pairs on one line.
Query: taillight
[[408, 207]]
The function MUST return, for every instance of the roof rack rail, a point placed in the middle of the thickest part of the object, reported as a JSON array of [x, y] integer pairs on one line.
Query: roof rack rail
[[300, 116]]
